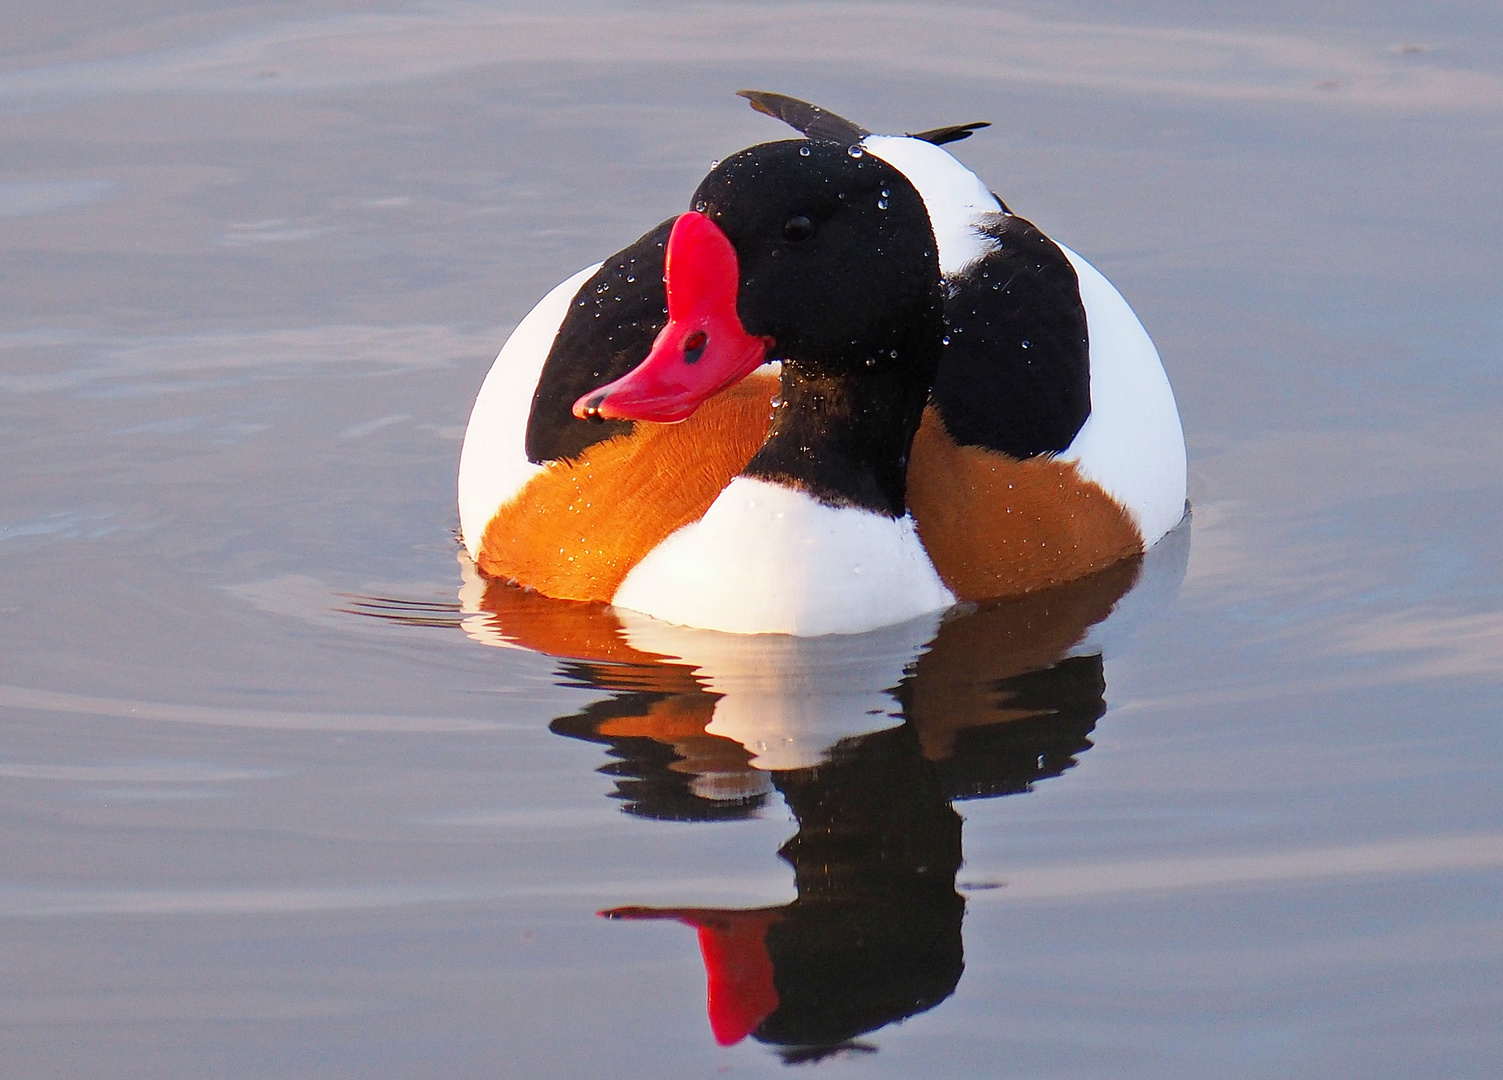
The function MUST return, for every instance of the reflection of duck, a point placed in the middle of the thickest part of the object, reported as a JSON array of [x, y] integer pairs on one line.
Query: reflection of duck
[[727, 709], [937, 354], [705, 726], [874, 935]]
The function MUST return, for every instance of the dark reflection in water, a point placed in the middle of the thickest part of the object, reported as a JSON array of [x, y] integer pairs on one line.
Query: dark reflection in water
[[874, 935], [869, 740], [982, 731]]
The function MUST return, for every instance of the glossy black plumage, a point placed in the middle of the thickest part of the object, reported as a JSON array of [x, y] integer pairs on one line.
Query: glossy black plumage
[[807, 119], [953, 133], [820, 123], [609, 328], [1015, 375], [853, 305], [852, 283]]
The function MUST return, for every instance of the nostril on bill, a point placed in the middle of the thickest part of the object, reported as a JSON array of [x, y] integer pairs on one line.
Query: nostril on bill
[[694, 346]]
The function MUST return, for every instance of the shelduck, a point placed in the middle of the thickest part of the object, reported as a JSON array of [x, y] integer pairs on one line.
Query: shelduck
[[849, 386]]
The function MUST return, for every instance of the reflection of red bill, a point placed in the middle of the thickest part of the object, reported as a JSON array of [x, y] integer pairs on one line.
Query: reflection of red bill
[[740, 992], [703, 349]]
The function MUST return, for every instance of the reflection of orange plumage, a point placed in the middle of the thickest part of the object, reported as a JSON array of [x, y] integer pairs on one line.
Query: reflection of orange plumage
[[991, 703], [592, 632], [581, 631], [955, 684], [679, 721], [558, 627]]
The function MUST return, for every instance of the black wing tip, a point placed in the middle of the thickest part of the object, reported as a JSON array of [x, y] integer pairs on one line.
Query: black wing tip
[[820, 123], [758, 99], [953, 133], [807, 119]]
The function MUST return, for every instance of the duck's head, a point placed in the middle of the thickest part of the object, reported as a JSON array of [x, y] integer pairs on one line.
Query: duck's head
[[811, 252]]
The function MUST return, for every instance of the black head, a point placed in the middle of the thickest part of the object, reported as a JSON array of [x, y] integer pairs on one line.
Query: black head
[[838, 268], [820, 255], [834, 248]]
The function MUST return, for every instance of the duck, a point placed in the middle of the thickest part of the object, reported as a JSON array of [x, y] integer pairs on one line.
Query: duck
[[848, 387]]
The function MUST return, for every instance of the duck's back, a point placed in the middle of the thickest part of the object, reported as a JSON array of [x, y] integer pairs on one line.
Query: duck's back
[[1052, 445], [1047, 453]]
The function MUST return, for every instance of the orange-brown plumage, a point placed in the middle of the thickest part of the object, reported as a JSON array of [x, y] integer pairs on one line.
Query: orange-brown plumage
[[578, 527], [993, 525], [997, 526]]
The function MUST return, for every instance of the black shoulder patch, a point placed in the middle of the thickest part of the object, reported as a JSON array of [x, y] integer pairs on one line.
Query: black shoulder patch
[[1015, 375], [609, 329], [809, 120]]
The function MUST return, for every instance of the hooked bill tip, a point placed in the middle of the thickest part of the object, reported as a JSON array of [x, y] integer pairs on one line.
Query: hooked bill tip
[[589, 408]]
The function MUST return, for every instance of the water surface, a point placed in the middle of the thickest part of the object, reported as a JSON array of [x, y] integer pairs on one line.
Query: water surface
[[274, 803]]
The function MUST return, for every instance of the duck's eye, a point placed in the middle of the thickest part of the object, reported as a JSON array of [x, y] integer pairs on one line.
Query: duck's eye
[[797, 228]]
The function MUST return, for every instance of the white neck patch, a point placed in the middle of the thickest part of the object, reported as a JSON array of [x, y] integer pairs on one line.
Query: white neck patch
[[954, 196]]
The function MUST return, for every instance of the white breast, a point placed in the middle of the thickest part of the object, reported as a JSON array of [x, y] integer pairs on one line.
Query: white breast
[[493, 464], [766, 559]]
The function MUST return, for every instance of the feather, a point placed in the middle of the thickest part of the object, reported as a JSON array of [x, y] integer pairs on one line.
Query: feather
[[953, 133], [807, 119]]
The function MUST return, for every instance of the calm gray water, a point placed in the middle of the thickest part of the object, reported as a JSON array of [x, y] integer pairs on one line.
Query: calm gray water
[[273, 805]]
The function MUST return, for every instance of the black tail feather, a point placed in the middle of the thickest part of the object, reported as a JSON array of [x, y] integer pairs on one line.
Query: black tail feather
[[953, 133], [807, 119], [817, 123]]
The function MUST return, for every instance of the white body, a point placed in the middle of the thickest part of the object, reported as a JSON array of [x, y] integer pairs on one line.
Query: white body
[[767, 559], [1132, 443], [493, 463]]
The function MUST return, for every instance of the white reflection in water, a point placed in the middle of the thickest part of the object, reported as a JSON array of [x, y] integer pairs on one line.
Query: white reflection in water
[[788, 700]]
